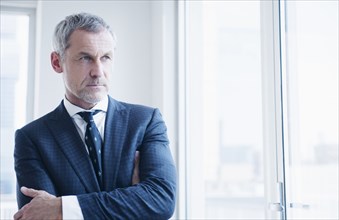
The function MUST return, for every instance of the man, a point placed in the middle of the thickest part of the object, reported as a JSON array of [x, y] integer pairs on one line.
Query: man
[[81, 160]]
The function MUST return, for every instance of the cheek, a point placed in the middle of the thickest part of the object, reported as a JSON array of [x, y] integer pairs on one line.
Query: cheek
[[71, 80], [108, 72], [68, 81], [108, 75], [76, 75]]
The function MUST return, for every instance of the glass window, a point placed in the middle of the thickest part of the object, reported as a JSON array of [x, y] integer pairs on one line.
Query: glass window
[[225, 137], [312, 109], [14, 60]]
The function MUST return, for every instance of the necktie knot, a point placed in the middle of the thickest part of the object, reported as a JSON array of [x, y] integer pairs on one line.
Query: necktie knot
[[88, 116]]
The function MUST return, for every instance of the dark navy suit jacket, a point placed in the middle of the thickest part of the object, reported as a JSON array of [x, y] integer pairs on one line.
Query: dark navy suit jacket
[[50, 155]]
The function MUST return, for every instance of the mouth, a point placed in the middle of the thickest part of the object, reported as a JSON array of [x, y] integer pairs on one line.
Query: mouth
[[95, 86], [95, 83]]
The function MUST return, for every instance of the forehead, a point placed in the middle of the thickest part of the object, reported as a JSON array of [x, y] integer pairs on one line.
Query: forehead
[[84, 41]]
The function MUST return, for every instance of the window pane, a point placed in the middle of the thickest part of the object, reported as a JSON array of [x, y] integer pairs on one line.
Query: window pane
[[312, 99], [226, 178], [14, 50]]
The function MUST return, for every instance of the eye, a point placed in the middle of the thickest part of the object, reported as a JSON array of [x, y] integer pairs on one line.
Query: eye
[[106, 57], [85, 58]]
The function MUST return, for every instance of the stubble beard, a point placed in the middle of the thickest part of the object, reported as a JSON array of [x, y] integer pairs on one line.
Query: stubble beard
[[92, 97]]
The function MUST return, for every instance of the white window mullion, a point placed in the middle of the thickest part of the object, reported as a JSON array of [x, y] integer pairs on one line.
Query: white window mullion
[[272, 110], [182, 162]]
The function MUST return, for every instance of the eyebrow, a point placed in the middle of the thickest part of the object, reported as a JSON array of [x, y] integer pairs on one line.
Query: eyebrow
[[82, 53]]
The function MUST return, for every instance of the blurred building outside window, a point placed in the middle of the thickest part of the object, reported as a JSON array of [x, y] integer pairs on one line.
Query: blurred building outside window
[[14, 72]]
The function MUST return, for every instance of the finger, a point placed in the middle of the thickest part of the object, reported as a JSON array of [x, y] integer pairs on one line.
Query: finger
[[137, 158], [18, 215], [29, 192], [34, 193], [135, 177]]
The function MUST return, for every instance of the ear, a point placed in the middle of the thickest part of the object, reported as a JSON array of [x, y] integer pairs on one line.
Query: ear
[[56, 62]]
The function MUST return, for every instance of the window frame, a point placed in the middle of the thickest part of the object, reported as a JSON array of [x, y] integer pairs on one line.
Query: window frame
[[30, 11], [7, 207], [272, 110]]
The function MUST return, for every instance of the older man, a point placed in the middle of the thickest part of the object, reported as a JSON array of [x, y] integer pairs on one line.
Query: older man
[[81, 161]]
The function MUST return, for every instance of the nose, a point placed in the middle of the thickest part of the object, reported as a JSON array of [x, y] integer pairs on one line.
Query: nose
[[97, 69]]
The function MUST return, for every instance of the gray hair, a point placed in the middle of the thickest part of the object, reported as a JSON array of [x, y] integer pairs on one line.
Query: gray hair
[[81, 21]]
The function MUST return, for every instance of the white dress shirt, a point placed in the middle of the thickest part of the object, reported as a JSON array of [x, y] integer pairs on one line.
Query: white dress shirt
[[70, 204]]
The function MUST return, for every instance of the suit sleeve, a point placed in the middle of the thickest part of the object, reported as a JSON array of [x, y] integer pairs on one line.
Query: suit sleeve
[[28, 164], [154, 196]]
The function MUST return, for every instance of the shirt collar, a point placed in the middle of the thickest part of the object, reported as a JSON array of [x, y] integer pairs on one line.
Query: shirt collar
[[73, 109]]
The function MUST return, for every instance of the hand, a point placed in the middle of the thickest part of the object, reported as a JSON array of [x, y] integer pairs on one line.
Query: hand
[[135, 177], [42, 206]]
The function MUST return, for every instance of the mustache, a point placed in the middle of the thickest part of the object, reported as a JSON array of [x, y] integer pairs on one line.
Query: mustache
[[96, 82]]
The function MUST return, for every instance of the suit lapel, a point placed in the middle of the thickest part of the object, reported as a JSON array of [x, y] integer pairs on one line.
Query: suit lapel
[[67, 137], [115, 130]]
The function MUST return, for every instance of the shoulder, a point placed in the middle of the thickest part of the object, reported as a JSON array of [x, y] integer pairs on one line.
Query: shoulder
[[132, 108], [40, 123], [135, 112]]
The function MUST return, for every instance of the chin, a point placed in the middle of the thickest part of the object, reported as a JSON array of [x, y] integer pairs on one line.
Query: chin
[[94, 99]]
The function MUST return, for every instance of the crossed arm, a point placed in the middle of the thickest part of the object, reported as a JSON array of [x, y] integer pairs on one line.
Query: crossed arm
[[46, 206]]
